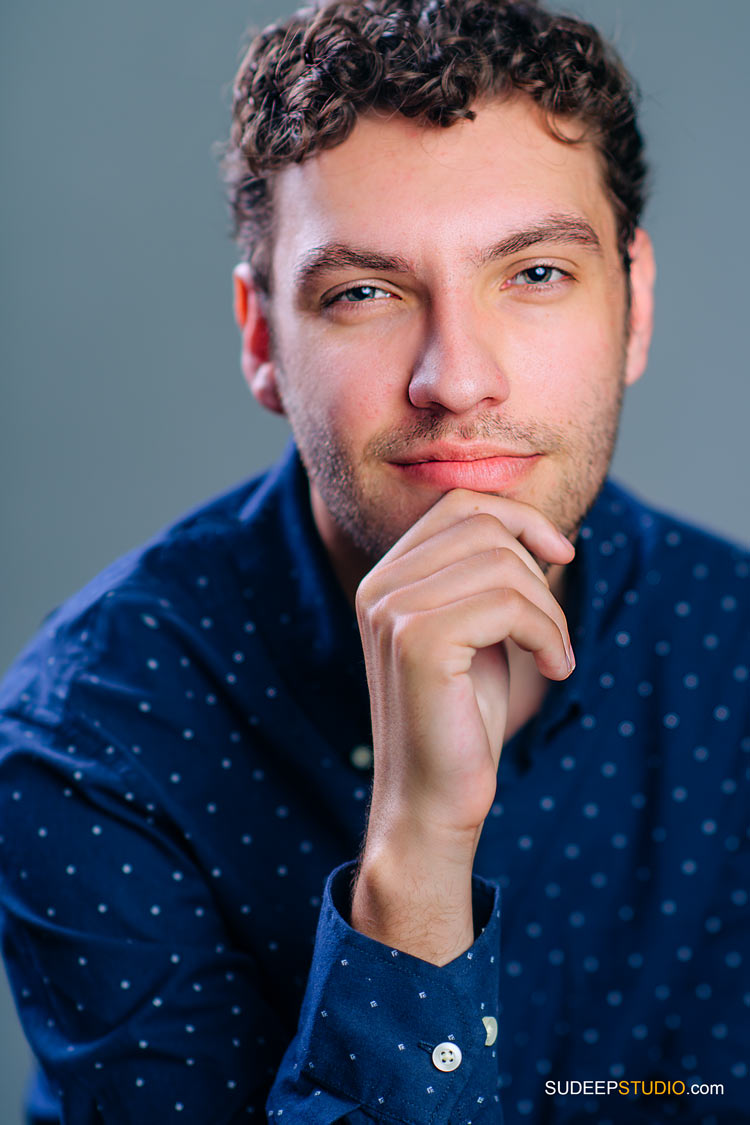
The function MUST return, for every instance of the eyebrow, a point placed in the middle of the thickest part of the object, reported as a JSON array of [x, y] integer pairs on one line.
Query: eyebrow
[[338, 256], [553, 228], [332, 256]]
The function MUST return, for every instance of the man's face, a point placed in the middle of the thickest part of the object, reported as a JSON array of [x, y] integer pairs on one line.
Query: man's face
[[442, 295]]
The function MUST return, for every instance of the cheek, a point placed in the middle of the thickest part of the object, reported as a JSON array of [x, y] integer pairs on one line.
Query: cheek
[[566, 362], [356, 384]]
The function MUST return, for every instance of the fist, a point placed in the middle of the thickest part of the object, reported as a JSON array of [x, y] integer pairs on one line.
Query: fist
[[436, 615]]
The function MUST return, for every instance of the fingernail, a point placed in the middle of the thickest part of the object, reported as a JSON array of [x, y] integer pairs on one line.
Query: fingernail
[[571, 656], [566, 541]]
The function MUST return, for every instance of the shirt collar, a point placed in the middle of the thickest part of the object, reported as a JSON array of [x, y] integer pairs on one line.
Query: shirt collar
[[604, 572], [297, 604], [311, 630]]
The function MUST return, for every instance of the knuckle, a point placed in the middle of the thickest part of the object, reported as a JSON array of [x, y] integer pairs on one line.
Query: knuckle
[[484, 525], [404, 634], [512, 600], [360, 602], [364, 592], [380, 615], [505, 558], [371, 603], [363, 601]]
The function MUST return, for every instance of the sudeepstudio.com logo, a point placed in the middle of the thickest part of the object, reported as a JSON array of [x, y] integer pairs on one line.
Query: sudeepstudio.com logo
[[625, 1087]]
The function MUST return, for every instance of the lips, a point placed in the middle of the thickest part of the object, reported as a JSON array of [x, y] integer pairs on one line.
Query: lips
[[445, 452], [466, 468]]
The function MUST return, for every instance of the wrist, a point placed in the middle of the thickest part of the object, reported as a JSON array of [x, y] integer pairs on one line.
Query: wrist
[[416, 896]]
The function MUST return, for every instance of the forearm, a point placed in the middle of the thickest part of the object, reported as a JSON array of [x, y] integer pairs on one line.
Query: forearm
[[436, 615]]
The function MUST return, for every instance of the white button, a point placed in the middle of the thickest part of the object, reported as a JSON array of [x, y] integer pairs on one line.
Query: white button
[[361, 757], [447, 1056], [490, 1024]]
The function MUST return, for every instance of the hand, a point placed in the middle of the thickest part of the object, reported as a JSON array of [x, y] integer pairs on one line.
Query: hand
[[435, 615]]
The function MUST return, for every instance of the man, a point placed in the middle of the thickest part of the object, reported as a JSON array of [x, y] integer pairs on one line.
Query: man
[[445, 289]]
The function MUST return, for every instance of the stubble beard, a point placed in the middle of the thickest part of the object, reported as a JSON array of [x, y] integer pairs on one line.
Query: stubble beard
[[373, 516]]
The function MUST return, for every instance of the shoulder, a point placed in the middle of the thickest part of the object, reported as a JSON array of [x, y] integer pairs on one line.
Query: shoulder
[[665, 599], [153, 677], [666, 615], [676, 555], [144, 607]]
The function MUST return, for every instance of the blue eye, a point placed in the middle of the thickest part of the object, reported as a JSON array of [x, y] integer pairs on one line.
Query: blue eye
[[538, 275], [358, 294]]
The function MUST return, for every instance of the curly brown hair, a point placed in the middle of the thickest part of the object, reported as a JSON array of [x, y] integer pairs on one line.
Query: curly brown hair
[[304, 82]]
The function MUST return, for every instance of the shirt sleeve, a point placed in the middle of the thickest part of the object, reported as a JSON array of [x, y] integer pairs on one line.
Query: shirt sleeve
[[405, 1040], [143, 1001], [142, 1010], [137, 1002]]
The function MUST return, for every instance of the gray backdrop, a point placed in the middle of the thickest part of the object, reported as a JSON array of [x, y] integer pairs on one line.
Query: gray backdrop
[[122, 401]]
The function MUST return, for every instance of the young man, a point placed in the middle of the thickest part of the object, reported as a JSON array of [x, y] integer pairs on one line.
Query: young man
[[445, 289]]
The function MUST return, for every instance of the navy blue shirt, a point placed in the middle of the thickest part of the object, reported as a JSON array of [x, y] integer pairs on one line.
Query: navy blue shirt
[[185, 761]]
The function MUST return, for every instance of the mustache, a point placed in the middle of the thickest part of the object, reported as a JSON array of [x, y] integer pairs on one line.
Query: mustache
[[392, 444]]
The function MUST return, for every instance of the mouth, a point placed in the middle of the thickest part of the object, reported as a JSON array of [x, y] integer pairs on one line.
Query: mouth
[[481, 470]]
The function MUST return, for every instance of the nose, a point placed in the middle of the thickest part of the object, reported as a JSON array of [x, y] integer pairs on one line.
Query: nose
[[458, 367]]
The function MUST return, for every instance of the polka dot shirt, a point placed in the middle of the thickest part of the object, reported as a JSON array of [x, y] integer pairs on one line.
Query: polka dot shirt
[[185, 762]]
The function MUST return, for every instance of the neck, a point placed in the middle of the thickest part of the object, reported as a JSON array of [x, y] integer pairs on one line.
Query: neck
[[349, 563]]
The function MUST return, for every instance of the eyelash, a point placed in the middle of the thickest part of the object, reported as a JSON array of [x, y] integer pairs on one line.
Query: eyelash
[[533, 286], [336, 298], [540, 285]]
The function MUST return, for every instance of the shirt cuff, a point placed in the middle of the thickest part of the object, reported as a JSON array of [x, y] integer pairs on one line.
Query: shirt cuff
[[407, 1040]]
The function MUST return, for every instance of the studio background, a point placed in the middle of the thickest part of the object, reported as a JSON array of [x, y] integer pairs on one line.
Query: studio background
[[122, 400]]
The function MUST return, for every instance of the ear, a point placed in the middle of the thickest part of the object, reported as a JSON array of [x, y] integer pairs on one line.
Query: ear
[[642, 278], [255, 360]]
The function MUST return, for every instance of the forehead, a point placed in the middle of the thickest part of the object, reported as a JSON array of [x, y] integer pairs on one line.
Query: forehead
[[400, 186]]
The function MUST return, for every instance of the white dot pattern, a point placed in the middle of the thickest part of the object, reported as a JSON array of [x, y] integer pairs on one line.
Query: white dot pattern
[[184, 759]]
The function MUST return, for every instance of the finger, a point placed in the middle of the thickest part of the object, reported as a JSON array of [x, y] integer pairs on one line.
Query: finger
[[488, 571], [470, 536], [487, 619], [524, 522]]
